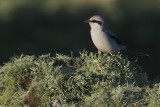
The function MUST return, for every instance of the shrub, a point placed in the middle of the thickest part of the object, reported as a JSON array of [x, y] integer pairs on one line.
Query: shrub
[[92, 79]]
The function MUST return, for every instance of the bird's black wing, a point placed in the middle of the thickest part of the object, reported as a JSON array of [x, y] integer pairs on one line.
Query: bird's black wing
[[113, 36], [116, 39]]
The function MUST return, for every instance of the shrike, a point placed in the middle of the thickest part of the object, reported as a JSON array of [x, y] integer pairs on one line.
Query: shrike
[[103, 38]]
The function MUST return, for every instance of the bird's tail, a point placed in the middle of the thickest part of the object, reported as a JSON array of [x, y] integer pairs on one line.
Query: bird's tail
[[138, 53]]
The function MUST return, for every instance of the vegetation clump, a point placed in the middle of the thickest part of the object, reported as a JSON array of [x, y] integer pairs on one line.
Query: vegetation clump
[[92, 79]]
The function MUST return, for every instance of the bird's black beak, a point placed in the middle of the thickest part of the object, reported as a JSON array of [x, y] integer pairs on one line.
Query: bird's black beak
[[87, 21]]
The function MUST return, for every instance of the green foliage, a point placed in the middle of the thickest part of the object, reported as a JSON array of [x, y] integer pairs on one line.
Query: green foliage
[[92, 79], [154, 96]]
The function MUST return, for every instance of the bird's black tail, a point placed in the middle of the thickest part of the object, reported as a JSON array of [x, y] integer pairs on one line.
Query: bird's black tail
[[138, 53]]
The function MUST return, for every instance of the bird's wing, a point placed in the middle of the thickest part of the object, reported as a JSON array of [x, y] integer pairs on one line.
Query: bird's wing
[[111, 33], [113, 36], [116, 39]]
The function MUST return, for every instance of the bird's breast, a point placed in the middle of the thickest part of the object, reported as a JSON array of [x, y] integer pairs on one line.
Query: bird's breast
[[101, 40]]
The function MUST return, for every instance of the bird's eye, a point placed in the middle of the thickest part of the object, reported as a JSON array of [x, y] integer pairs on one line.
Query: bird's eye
[[96, 21]]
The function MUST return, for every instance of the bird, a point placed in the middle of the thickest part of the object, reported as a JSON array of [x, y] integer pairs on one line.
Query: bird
[[104, 39]]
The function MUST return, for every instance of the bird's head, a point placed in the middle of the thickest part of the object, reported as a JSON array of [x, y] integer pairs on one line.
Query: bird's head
[[95, 21]]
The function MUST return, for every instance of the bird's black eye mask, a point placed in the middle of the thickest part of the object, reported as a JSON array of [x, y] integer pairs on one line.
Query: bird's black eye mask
[[96, 21]]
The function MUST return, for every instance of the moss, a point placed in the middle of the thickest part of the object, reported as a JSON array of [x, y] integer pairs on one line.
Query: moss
[[92, 79]]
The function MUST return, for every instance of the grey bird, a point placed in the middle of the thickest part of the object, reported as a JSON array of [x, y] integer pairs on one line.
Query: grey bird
[[103, 38]]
